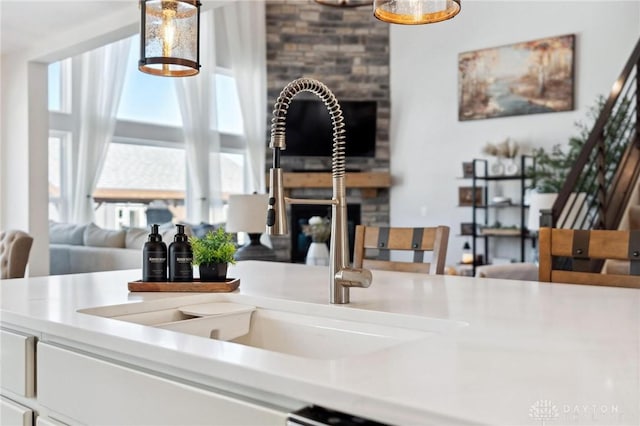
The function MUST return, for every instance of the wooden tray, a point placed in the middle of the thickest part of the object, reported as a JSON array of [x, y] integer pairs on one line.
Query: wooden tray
[[195, 286]]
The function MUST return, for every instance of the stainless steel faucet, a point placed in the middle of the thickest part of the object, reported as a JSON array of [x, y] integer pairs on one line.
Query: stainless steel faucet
[[341, 276]]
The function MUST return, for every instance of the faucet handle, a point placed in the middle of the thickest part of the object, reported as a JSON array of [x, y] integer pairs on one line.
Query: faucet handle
[[276, 213], [352, 277]]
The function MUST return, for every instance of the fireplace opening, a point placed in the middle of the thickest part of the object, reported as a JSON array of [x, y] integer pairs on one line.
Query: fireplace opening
[[300, 215]]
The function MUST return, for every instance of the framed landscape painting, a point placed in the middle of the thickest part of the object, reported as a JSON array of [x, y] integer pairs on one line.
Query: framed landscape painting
[[524, 78]]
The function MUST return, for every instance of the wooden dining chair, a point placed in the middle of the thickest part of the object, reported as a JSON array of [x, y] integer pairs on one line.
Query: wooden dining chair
[[569, 256], [418, 240]]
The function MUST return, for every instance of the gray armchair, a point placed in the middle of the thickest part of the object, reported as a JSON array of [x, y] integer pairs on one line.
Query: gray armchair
[[14, 253]]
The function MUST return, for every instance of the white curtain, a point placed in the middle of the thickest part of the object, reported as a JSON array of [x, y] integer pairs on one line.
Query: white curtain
[[195, 95], [102, 76], [246, 30]]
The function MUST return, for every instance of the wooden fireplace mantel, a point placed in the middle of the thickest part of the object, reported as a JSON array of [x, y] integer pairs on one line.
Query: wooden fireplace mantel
[[367, 182]]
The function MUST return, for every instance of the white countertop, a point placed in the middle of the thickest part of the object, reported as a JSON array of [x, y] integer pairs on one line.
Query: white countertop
[[574, 347]]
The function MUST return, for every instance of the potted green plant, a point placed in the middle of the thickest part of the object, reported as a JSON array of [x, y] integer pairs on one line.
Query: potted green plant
[[552, 168], [212, 254]]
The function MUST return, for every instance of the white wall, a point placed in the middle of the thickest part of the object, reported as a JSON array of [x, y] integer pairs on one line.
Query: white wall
[[429, 144], [24, 153]]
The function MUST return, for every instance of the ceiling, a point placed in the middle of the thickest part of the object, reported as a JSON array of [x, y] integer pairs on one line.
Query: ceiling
[[25, 23]]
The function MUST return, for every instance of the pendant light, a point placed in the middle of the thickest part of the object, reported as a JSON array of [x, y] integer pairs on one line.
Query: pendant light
[[170, 37], [414, 12], [345, 3]]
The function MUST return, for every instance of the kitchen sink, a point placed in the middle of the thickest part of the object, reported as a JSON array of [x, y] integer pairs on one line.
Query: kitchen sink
[[276, 329]]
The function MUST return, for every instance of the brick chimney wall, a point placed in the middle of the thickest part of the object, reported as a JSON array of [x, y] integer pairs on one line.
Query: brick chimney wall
[[348, 50]]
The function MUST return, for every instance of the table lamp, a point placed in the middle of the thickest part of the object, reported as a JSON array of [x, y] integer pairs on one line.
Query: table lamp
[[467, 256], [247, 213]]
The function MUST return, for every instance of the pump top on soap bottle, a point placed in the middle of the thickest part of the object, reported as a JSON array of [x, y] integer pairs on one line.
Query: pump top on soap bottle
[[154, 257], [180, 257], [180, 236], [154, 235]]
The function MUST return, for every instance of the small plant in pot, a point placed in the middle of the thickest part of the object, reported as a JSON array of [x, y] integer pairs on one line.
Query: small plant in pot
[[212, 254]]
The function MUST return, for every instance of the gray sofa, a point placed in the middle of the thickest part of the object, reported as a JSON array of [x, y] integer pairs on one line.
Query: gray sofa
[[89, 248]]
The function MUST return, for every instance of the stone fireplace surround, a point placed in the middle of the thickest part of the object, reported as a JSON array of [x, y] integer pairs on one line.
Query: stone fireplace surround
[[348, 50], [365, 205]]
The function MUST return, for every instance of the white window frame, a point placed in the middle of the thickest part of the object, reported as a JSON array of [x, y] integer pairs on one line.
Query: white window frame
[[65, 172], [63, 124]]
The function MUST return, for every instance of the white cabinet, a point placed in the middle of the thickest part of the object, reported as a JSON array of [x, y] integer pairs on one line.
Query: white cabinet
[[14, 414], [44, 421], [17, 368], [95, 391]]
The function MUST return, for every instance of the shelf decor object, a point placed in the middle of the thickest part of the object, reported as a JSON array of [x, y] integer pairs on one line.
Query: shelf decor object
[[469, 196], [501, 231], [490, 202], [467, 170], [415, 12], [467, 255], [170, 37], [466, 228]]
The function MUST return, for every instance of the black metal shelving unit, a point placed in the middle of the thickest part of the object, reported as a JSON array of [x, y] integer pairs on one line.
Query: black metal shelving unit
[[482, 179]]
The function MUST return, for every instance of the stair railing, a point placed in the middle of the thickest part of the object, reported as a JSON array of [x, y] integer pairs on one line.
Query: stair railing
[[598, 187]]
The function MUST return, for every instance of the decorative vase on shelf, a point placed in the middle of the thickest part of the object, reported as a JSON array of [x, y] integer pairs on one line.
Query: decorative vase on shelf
[[318, 254], [497, 168], [511, 168]]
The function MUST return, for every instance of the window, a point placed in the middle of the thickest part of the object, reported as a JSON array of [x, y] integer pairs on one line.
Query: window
[[58, 175], [146, 158], [58, 87], [134, 175], [147, 98], [232, 170], [229, 115], [55, 85]]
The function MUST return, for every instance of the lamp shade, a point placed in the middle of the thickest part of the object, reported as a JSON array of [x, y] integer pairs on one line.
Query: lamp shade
[[415, 12], [169, 37], [247, 213]]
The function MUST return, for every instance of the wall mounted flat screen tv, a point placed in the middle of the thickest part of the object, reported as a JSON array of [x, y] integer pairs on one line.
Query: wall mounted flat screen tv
[[309, 131]]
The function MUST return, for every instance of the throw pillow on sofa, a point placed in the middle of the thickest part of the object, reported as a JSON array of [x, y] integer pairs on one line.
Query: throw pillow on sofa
[[66, 233], [98, 237], [136, 237], [169, 230]]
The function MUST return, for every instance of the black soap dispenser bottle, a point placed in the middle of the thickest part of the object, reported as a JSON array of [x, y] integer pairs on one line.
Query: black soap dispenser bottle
[[180, 257], [154, 258]]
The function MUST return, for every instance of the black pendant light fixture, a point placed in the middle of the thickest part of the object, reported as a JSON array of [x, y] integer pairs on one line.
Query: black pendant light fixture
[[415, 12], [170, 37]]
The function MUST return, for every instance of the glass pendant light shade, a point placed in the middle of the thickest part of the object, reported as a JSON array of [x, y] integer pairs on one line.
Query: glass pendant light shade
[[414, 12], [169, 37]]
